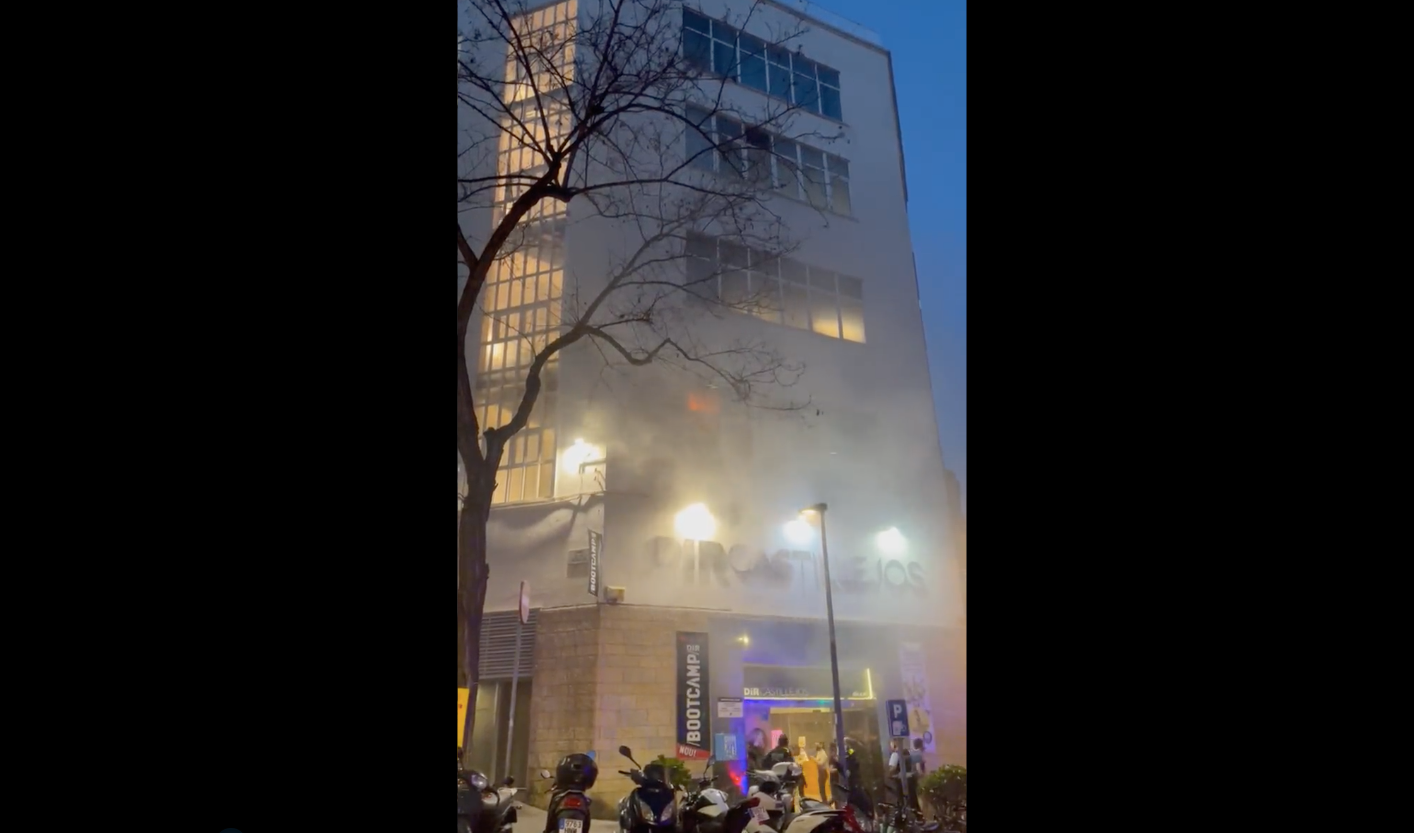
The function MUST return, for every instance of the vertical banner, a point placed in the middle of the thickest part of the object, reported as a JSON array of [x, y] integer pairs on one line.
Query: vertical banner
[[596, 543], [694, 720], [463, 695], [915, 692]]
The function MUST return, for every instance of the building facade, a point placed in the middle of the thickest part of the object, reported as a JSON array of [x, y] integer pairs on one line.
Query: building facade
[[679, 594]]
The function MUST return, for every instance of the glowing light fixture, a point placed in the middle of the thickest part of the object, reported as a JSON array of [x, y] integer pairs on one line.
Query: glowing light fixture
[[577, 455], [799, 532], [744, 639], [695, 523], [891, 541]]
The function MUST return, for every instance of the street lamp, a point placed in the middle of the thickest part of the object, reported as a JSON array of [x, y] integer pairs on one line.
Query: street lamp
[[819, 509]]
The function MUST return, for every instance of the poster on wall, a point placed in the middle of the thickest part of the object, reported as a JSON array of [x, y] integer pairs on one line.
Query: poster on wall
[[596, 543], [915, 693], [694, 718], [463, 695]]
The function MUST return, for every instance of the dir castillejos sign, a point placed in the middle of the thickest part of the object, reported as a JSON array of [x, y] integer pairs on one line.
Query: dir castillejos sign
[[694, 728]]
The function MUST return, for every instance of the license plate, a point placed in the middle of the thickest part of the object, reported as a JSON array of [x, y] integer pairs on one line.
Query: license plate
[[759, 814], [572, 825]]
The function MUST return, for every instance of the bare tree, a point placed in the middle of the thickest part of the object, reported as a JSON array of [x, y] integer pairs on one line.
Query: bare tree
[[606, 110]]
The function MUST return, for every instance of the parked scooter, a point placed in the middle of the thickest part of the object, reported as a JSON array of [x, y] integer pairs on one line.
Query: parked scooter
[[704, 809], [481, 809], [773, 814], [568, 810], [651, 807]]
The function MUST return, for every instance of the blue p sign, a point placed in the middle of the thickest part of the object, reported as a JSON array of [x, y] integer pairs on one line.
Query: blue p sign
[[898, 718]]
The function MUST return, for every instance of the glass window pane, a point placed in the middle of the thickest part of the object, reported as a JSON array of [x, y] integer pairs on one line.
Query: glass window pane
[[699, 148], [839, 196], [779, 81], [695, 21], [732, 254], [751, 45], [822, 279], [753, 72], [532, 486], [806, 95], [828, 77], [779, 55], [547, 480], [838, 166], [793, 270], [697, 49], [795, 307], [852, 320], [811, 157], [830, 103], [766, 295], [724, 58], [787, 166], [814, 182], [515, 480], [700, 245], [699, 117], [734, 288], [824, 316], [851, 287], [723, 32], [699, 274]]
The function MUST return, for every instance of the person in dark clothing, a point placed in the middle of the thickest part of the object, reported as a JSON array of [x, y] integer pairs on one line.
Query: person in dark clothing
[[854, 782], [781, 754]]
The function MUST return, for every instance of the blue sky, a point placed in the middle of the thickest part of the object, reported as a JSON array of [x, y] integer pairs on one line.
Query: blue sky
[[929, 45]]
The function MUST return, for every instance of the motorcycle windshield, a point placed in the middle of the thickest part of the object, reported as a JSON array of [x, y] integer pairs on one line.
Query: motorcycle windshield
[[655, 799]]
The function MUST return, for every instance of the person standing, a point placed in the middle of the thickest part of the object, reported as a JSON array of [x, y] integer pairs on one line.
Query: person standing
[[823, 763], [780, 755], [919, 770]]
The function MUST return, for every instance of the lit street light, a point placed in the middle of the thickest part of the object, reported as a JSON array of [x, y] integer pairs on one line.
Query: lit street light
[[819, 509]]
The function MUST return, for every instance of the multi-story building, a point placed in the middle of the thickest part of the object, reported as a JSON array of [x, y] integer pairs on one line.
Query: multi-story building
[[678, 594]]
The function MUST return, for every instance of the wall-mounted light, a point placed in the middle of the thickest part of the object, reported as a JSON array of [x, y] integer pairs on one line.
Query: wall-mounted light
[[799, 532], [695, 523], [744, 639], [891, 541]]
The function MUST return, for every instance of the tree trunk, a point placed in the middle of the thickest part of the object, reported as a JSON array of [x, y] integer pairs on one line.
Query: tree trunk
[[472, 573]]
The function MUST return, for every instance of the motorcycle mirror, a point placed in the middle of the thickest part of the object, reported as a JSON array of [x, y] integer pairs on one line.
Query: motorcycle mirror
[[545, 773], [626, 752], [711, 759]]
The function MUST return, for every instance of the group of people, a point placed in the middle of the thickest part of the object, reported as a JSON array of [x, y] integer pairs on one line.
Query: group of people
[[905, 771]]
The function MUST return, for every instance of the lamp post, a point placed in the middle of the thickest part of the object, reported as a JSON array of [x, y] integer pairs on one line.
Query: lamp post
[[819, 509]]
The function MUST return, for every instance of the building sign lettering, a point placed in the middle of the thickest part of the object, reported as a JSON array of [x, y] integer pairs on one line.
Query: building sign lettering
[[712, 563]]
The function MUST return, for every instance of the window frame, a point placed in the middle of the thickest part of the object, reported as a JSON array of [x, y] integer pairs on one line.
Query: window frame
[[793, 64], [808, 283]]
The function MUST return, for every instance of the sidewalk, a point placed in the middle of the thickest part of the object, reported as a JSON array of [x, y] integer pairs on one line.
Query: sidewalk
[[529, 819]]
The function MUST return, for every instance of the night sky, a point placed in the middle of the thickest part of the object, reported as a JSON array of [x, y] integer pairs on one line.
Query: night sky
[[929, 45]]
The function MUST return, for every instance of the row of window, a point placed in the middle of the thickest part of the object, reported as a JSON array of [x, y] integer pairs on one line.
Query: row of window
[[793, 169], [776, 289], [713, 46]]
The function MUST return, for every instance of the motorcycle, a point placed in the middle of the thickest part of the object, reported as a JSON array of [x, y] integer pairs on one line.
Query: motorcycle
[[483, 810], [568, 810], [704, 809], [651, 806], [773, 813]]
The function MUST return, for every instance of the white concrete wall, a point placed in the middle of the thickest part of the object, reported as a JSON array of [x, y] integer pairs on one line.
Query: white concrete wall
[[867, 444]]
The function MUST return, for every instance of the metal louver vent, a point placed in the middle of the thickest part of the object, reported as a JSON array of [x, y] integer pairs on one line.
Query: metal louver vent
[[498, 644]]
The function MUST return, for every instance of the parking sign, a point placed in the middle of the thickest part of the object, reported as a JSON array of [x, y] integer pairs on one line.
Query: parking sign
[[898, 718]]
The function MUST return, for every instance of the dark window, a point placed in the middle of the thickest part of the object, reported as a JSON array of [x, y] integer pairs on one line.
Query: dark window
[[697, 49], [696, 22]]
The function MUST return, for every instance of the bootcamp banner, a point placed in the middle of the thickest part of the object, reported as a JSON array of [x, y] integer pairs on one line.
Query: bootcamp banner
[[694, 723]]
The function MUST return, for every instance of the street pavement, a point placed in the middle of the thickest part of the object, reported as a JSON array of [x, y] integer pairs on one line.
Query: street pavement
[[529, 819]]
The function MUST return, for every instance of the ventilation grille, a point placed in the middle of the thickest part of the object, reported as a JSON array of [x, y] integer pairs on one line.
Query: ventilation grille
[[498, 645]]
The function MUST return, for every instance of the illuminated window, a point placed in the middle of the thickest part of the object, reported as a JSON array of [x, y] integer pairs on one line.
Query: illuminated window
[[776, 289], [521, 302], [713, 46]]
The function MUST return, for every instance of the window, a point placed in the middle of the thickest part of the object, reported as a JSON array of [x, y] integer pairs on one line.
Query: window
[[713, 46], [793, 169], [776, 289]]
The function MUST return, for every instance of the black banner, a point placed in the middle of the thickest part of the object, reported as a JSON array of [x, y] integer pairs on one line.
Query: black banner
[[596, 543], [694, 721]]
